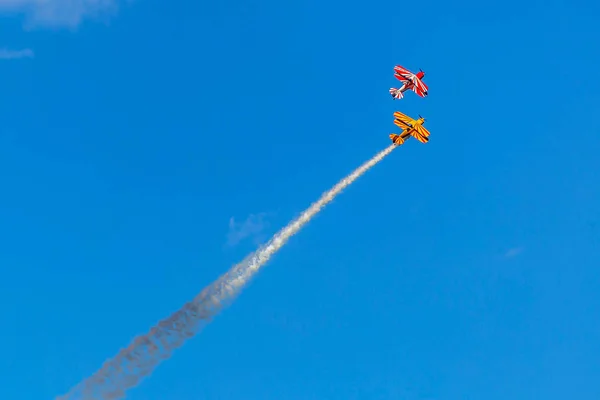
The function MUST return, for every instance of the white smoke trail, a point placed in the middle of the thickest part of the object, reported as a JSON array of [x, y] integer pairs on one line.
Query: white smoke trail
[[139, 359]]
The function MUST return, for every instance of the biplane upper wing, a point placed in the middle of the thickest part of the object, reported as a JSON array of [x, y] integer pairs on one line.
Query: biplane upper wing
[[404, 118], [403, 75]]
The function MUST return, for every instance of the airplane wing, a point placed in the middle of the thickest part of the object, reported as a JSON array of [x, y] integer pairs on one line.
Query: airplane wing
[[420, 88], [401, 124], [404, 118], [421, 134], [403, 75], [402, 78]]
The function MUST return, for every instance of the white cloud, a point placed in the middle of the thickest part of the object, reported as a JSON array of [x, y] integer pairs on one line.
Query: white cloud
[[6, 54], [513, 252], [251, 227], [58, 13]]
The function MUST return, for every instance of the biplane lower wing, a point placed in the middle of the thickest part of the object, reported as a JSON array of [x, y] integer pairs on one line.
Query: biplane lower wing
[[402, 78], [401, 124]]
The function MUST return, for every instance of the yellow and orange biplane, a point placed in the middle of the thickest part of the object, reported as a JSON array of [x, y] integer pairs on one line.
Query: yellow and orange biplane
[[411, 127]]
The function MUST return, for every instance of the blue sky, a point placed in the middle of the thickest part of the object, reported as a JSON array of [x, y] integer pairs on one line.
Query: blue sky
[[134, 138]]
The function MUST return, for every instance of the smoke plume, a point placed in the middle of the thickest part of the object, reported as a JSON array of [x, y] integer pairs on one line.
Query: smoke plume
[[138, 360]]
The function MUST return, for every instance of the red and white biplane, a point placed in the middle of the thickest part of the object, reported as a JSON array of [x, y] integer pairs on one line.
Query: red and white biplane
[[410, 82]]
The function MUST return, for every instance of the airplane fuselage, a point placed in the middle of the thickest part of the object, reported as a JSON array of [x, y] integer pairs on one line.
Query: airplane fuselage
[[406, 86], [414, 122], [406, 133]]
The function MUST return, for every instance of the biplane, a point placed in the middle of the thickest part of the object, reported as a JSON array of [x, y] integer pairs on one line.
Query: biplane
[[410, 127], [410, 81]]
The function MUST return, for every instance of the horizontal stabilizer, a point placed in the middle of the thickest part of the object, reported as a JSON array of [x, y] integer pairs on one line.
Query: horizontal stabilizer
[[396, 93], [397, 139]]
